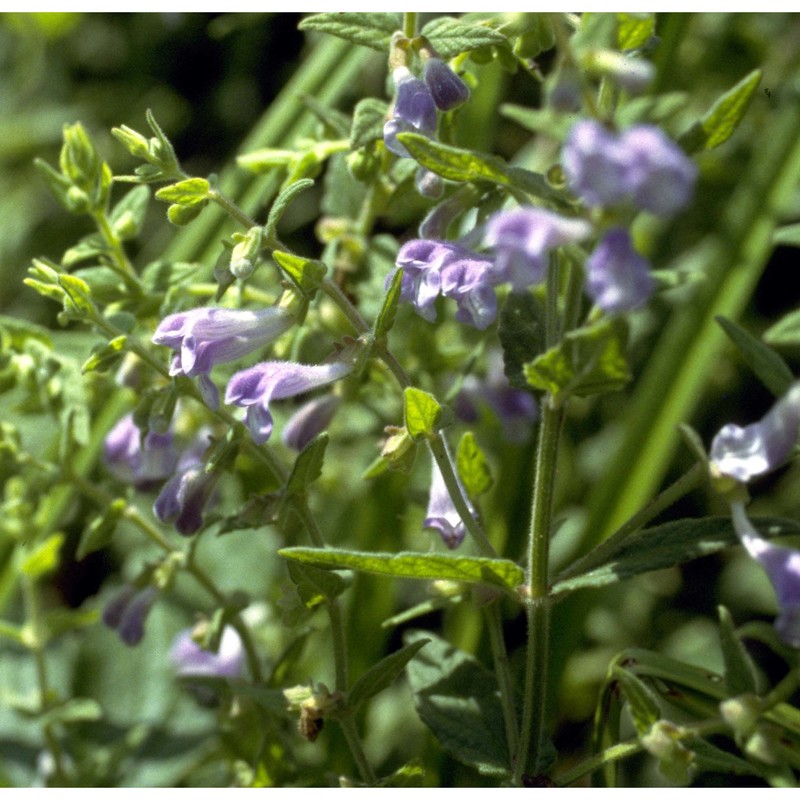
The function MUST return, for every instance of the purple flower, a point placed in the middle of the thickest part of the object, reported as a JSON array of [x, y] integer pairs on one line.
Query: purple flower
[[447, 89], [745, 453], [414, 111], [522, 239], [127, 611], [188, 658], [309, 421], [183, 499], [432, 267], [140, 462], [275, 380], [782, 565], [442, 515], [204, 337], [617, 277], [660, 174]]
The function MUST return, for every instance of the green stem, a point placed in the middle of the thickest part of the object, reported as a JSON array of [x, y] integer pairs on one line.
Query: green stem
[[782, 692], [410, 24], [500, 656], [350, 732], [232, 209], [614, 753]]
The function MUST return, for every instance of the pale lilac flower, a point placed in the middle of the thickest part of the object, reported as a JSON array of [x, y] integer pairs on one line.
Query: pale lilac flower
[[309, 421], [447, 89], [466, 280], [204, 337], [189, 659], [414, 111], [617, 277], [127, 612], [441, 514], [745, 453], [660, 174], [782, 566], [139, 461], [522, 239], [254, 388], [183, 499]]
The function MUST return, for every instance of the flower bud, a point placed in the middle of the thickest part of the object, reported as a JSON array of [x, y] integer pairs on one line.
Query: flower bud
[[447, 89]]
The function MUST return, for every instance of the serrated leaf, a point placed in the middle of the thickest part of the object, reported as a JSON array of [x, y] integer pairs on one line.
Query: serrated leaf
[[44, 557], [473, 468], [451, 36], [635, 29], [422, 413], [282, 202], [306, 273], [190, 192], [419, 566], [740, 676], [588, 361], [659, 547], [766, 364], [315, 586], [458, 700], [105, 356], [308, 465], [386, 316], [642, 703], [382, 675], [785, 332], [457, 164], [371, 29], [521, 332], [368, 118], [722, 119]]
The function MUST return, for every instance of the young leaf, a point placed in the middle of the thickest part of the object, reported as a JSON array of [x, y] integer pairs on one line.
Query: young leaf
[[77, 295], [457, 699], [642, 702], [451, 36], [44, 557], [740, 675], [722, 119], [787, 234], [382, 675], [99, 532], [369, 28], [635, 30], [663, 546], [420, 566], [282, 201], [315, 586], [473, 468], [127, 216], [767, 365], [422, 413], [105, 356], [368, 118], [185, 193], [388, 312], [305, 273], [785, 332], [308, 465], [588, 361], [521, 332]]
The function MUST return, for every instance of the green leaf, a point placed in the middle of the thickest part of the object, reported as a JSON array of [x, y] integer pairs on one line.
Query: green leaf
[[709, 758], [90, 246], [420, 566], [335, 123], [766, 364], [785, 332], [635, 30], [458, 700], [104, 356], [651, 108], [315, 586], [77, 295], [282, 202], [386, 316], [308, 465], [521, 332], [740, 675], [127, 216], [597, 30], [190, 192], [451, 36], [588, 361], [306, 273], [663, 546], [371, 29], [722, 119], [473, 468], [642, 702], [422, 413], [368, 118], [538, 120], [457, 164], [44, 557], [382, 675], [409, 776], [74, 710], [99, 532], [787, 234]]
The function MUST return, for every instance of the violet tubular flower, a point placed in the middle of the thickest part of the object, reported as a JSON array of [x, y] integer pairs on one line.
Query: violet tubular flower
[[204, 337], [617, 278], [782, 565], [127, 612], [189, 659], [442, 515], [446, 88], [522, 239], [311, 419], [254, 388], [746, 453], [140, 461], [414, 111], [183, 499]]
